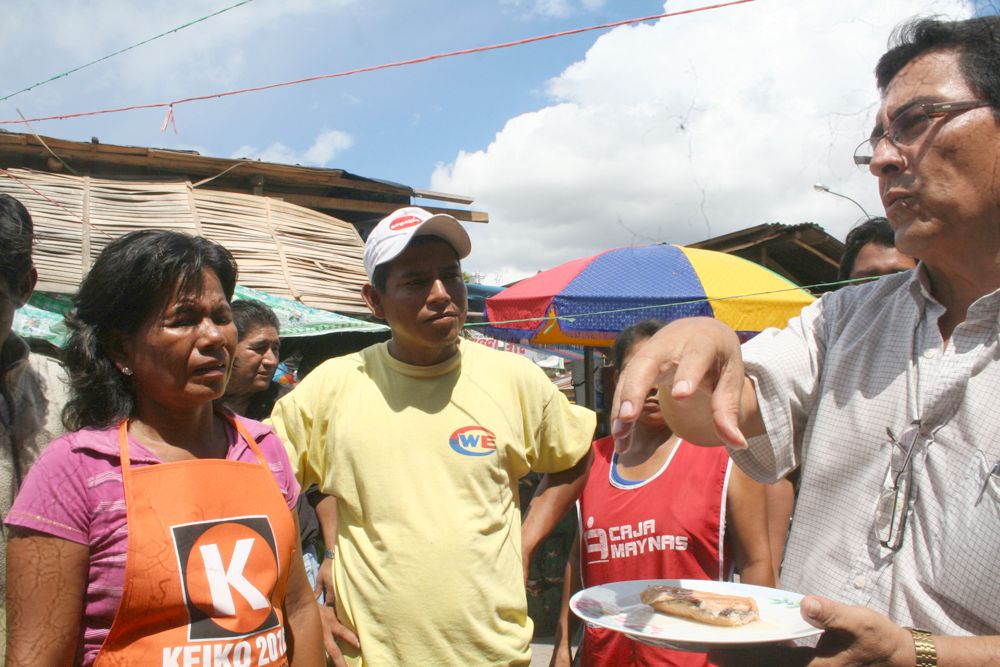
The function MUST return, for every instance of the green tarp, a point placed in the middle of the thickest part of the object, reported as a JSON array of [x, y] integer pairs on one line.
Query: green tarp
[[40, 324], [299, 320], [41, 318]]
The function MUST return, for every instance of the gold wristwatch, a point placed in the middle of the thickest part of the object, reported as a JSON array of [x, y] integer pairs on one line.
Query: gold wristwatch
[[923, 643]]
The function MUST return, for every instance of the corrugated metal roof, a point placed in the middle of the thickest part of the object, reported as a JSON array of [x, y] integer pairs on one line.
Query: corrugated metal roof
[[343, 195], [805, 254]]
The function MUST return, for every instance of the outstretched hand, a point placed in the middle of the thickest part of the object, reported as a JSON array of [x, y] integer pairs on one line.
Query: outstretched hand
[[853, 637], [697, 365]]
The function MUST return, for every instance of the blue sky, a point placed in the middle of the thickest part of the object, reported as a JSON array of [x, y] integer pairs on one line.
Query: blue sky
[[401, 122], [672, 131]]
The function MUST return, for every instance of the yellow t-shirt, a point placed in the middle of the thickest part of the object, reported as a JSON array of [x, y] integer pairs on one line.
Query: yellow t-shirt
[[424, 462]]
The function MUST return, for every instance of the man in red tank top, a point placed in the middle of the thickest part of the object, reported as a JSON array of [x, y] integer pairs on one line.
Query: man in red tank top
[[661, 511]]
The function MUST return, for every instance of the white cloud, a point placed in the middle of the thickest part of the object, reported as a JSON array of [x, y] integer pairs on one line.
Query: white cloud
[[529, 9], [557, 8], [323, 150], [276, 152], [327, 146], [686, 128], [209, 54]]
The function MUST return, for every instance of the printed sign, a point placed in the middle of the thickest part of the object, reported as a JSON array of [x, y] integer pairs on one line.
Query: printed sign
[[404, 222], [228, 569], [473, 441]]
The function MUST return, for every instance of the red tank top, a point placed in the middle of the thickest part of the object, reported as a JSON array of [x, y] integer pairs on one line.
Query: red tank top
[[670, 526]]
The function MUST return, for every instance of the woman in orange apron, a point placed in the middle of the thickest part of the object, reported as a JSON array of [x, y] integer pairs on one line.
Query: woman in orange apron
[[158, 532]]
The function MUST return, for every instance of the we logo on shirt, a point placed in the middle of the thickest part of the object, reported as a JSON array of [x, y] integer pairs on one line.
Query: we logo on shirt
[[228, 570]]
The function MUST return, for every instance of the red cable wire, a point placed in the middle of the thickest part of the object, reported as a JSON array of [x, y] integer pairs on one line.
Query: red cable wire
[[361, 70]]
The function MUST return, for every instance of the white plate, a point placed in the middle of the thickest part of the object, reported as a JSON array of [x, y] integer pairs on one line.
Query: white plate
[[617, 607]]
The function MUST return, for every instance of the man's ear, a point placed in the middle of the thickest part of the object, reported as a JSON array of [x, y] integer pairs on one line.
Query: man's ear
[[26, 287], [374, 300]]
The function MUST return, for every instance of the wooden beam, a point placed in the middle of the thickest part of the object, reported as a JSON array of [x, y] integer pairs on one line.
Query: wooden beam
[[336, 203], [802, 244], [113, 161], [442, 196], [459, 214], [189, 164], [740, 246], [376, 208]]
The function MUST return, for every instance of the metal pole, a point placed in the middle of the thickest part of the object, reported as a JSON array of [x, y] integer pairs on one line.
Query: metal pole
[[819, 187], [589, 390]]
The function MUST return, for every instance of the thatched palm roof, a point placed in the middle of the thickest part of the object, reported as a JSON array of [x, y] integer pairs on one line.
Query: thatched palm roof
[[281, 248]]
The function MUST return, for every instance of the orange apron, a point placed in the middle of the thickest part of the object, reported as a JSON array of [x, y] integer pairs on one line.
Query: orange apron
[[209, 551]]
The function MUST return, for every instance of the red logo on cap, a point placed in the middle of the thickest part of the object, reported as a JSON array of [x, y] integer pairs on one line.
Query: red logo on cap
[[404, 222]]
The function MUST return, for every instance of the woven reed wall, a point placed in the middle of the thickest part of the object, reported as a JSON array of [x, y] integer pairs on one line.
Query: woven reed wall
[[281, 248]]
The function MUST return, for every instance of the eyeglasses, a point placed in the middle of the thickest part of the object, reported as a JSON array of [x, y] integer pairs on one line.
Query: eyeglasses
[[894, 500], [908, 126]]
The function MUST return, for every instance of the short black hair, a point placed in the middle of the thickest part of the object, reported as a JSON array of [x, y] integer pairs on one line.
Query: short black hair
[[249, 314], [380, 274], [131, 281], [875, 230], [976, 40], [16, 238], [632, 335]]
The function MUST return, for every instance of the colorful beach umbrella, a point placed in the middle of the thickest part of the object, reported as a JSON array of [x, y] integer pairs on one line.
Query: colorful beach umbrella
[[589, 301]]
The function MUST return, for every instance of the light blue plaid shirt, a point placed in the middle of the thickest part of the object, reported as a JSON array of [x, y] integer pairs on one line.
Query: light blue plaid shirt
[[859, 361]]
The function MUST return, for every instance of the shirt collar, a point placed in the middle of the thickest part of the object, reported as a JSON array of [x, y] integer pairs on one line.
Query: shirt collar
[[986, 307], [920, 286], [93, 440], [410, 370]]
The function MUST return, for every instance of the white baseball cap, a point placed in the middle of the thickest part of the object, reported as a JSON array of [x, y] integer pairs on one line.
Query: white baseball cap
[[395, 231]]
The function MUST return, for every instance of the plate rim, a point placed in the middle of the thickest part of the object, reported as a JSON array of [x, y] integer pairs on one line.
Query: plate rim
[[638, 635]]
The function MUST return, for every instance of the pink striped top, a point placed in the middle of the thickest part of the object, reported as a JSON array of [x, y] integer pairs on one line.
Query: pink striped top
[[74, 491]]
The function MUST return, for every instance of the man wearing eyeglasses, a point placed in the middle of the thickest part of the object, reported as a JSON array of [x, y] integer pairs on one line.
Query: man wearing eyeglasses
[[885, 394]]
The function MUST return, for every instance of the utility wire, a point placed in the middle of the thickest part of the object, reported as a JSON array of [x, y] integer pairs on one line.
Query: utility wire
[[121, 51], [414, 61]]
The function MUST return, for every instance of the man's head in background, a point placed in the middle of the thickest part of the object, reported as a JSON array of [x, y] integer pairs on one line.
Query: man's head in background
[[413, 262], [870, 251], [17, 272]]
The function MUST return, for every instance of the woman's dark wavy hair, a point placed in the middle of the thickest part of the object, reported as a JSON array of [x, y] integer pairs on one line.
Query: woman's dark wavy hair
[[16, 235], [130, 282], [250, 314], [977, 41]]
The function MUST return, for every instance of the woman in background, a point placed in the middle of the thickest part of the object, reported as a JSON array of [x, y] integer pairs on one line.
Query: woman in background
[[251, 392], [697, 516], [160, 530]]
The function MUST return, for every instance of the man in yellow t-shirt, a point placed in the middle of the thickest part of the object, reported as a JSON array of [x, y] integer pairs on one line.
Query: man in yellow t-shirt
[[422, 441]]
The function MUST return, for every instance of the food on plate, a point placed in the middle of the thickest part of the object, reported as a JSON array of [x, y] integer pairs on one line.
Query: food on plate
[[711, 608]]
